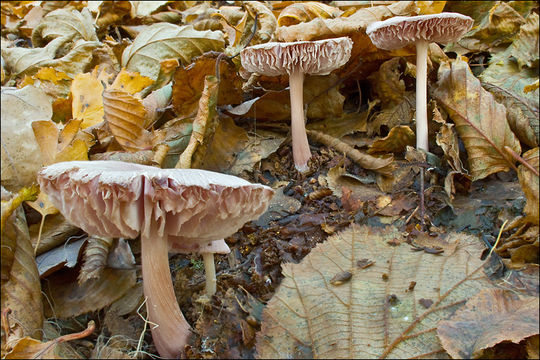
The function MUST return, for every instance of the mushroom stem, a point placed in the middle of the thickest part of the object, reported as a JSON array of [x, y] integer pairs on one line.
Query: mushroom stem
[[172, 331], [300, 145], [210, 273], [421, 95]]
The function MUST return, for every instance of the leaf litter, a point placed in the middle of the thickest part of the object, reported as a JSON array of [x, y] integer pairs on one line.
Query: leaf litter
[[340, 265]]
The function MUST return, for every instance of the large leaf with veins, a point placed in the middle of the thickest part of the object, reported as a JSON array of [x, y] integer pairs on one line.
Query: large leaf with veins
[[384, 309]]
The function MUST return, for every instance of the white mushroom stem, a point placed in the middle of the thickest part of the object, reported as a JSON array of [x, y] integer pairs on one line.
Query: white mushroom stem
[[300, 145], [210, 273], [421, 95], [172, 331]]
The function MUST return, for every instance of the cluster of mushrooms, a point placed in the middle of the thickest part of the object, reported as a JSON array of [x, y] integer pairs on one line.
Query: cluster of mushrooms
[[189, 210]]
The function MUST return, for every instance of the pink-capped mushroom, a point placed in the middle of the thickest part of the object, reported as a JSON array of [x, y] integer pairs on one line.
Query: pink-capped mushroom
[[177, 210], [319, 57]]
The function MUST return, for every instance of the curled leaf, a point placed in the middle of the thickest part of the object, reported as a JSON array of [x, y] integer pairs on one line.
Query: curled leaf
[[306, 11]]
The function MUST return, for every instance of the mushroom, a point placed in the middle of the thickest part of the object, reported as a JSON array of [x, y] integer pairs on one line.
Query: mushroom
[[400, 31], [181, 210], [296, 59]]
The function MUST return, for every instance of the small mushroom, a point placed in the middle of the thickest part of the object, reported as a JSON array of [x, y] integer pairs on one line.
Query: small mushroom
[[179, 210], [296, 59], [400, 31]]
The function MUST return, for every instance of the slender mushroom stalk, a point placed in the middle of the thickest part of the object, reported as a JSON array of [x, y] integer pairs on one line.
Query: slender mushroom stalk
[[172, 331], [297, 59], [421, 95], [300, 145], [209, 273]]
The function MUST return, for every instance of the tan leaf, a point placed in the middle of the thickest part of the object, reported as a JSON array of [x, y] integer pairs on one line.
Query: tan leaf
[[306, 11], [95, 258], [55, 231], [155, 104], [323, 28], [126, 116], [130, 82], [189, 83], [43, 205], [87, 105], [480, 120], [76, 151], [387, 83], [448, 141], [347, 123], [400, 114], [204, 126], [51, 74], [396, 141], [490, 317], [229, 140], [258, 147], [68, 133], [70, 299], [46, 134], [374, 314], [64, 23], [337, 179], [21, 157], [530, 185], [168, 41], [266, 20], [21, 288], [522, 115]]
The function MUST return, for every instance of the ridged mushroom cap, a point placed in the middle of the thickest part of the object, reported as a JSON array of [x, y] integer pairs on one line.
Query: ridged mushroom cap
[[319, 57], [118, 199], [400, 31]]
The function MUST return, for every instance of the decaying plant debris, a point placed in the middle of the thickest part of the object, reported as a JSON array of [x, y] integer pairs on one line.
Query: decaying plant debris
[[345, 262]]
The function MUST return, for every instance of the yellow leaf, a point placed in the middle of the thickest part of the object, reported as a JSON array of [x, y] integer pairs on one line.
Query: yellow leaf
[[430, 7], [43, 205], [87, 100], [76, 151], [130, 82], [50, 74], [46, 134], [68, 134], [306, 11]]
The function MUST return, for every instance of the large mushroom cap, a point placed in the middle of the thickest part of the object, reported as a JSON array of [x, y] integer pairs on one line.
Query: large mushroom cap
[[117, 199], [400, 31], [310, 57]]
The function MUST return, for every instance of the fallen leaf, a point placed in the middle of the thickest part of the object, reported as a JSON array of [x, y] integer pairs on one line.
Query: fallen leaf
[[130, 82], [258, 147], [87, 104], [396, 141], [488, 318], [522, 115], [21, 289], [347, 123], [204, 126], [63, 256], [72, 24], [387, 82], [126, 116], [480, 120], [530, 185], [266, 20], [168, 41], [55, 231], [306, 11], [307, 317], [189, 83], [525, 46], [21, 158], [400, 114]]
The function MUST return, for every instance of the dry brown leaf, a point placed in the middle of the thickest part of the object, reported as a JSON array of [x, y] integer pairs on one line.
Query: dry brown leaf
[[86, 90], [396, 141], [306, 11], [530, 185], [95, 258], [66, 145], [189, 83], [126, 116], [533, 346], [204, 126], [229, 140], [70, 299], [387, 82], [337, 178], [168, 41], [400, 114], [490, 317], [56, 230], [258, 147], [347, 123], [21, 289], [266, 20], [522, 115], [480, 120], [448, 141], [374, 314]]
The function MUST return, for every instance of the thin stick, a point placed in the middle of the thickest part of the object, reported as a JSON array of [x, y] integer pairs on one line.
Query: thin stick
[[521, 160]]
